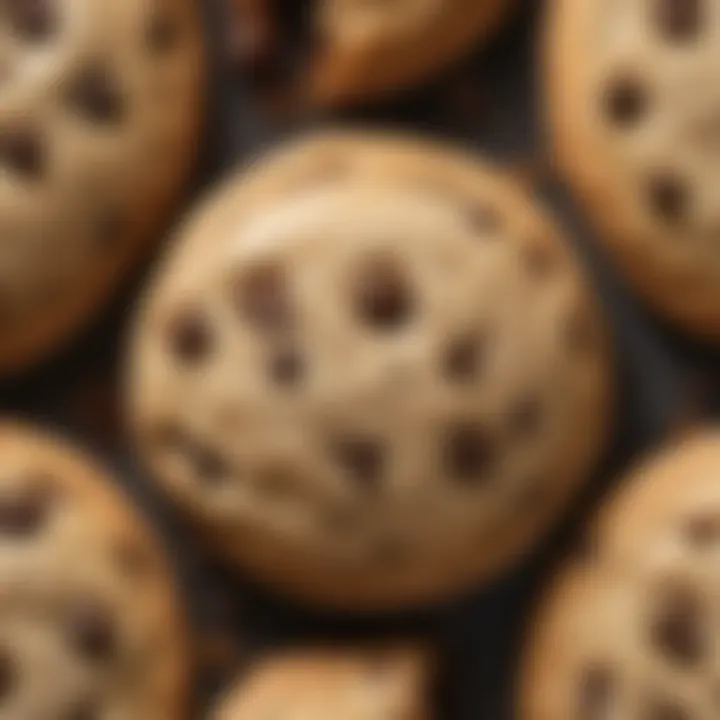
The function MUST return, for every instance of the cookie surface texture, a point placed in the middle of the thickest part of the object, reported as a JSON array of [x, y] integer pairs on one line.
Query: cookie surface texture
[[634, 110], [370, 370], [321, 684], [630, 627], [99, 117], [369, 50], [89, 624]]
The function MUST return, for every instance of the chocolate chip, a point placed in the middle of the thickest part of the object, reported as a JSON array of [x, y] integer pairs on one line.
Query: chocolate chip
[[658, 708], [525, 416], [22, 151], [32, 20], [677, 630], [22, 513], [95, 95], [84, 710], [596, 692], [190, 336], [263, 298], [468, 452], [92, 631], [8, 674], [703, 530], [163, 31], [362, 458], [286, 368], [625, 102], [680, 20], [382, 296], [668, 197], [463, 358], [206, 463]]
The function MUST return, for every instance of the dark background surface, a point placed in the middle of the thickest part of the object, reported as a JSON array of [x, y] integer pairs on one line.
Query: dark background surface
[[665, 384]]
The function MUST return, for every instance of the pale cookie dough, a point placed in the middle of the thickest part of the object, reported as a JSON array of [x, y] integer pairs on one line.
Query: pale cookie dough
[[370, 371], [634, 105], [365, 50], [89, 624], [631, 628], [99, 119], [334, 684]]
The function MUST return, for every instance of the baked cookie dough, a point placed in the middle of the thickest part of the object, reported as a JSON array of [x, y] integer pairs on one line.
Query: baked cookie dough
[[355, 51], [327, 684], [99, 115], [89, 623], [630, 627], [370, 371], [635, 110]]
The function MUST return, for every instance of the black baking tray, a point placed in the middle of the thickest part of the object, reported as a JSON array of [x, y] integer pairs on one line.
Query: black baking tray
[[665, 383]]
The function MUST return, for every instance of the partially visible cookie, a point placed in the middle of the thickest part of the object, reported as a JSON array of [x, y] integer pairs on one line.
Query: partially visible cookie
[[357, 50], [370, 371], [100, 103], [89, 623], [635, 114], [353, 684], [630, 628]]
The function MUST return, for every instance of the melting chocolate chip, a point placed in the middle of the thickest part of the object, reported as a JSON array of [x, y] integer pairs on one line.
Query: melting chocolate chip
[[703, 530], [287, 368], [625, 102], [680, 21], [468, 453], [362, 458], [22, 151], [525, 416], [463, 359], [190, 336], [95, 95], [92, 631], [658, 708], [162, 31], [677, 629], [8, 675], [668, 197], [32, 20], [382, 296], [263, 298], [22, 513]]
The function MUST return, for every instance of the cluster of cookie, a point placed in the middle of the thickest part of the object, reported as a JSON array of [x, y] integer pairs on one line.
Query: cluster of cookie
[[369, 369]]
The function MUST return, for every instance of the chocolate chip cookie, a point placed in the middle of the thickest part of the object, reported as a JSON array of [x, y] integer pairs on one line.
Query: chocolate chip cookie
[[89, 623], [318, 684], [99, 114], [354, 51], [630, 627], [635, 113], [370, 371]]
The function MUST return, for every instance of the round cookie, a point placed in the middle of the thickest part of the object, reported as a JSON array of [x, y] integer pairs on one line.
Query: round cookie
[[366, 50], [99, 120], [630, 627], [356, 51], [634, 113], [317, 684], [89, 625], [370, 371]]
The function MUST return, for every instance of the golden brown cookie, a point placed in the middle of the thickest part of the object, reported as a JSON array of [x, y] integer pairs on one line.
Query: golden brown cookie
[[634, 111], [358, 50], [318, 684], [99, 114], [630, 627], [89, 622], [371, 371]]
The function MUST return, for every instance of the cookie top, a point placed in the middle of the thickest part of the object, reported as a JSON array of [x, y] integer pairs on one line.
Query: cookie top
[[319, 684], [366, 359], [630, 628], [367, 50], [89, 625], [99, 110], [634, 108]]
